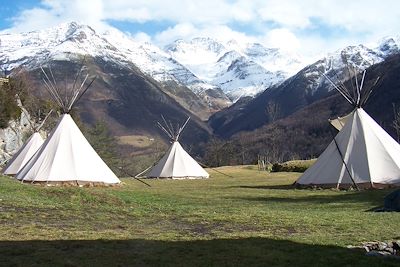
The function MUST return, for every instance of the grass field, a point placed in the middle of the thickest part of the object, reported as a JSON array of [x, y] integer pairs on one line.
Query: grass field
[[251, 219]]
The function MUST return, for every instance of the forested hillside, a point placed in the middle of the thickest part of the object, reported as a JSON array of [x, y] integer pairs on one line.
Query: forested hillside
[[307, 132]]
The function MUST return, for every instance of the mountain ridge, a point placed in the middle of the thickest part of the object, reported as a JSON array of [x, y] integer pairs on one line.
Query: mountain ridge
[[302, 89]]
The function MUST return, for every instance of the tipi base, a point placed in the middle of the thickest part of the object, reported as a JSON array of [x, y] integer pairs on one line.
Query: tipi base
[[70, 183], [179, 178], [348, 186]]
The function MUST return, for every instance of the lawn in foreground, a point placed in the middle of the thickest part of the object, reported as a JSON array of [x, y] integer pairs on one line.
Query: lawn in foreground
[[253, 218]]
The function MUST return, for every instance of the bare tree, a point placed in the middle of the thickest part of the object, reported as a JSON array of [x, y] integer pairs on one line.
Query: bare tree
[[396, 121], [273, 111]]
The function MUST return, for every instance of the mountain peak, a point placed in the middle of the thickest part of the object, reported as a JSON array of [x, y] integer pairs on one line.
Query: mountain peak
[[389, 45]]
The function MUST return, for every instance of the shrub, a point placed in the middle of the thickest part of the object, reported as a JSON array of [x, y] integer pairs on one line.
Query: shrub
[[292, 166]]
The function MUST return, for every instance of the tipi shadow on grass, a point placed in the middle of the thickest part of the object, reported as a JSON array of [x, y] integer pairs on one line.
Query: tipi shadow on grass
[[253, 251]]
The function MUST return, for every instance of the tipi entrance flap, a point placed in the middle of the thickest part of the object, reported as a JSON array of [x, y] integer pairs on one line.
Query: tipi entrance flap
[[339, 122], [356, 156]]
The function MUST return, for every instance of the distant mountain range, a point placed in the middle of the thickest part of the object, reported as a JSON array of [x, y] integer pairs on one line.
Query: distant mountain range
[[304, 88], [243, 87], [129, 100], [306, 132], [203, 65], [239, 70]]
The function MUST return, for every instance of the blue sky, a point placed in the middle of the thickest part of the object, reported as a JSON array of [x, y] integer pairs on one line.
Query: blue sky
[[308, 27]]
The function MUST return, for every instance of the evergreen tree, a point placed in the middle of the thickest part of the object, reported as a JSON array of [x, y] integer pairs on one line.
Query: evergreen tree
[[104, 143], [9, 109]]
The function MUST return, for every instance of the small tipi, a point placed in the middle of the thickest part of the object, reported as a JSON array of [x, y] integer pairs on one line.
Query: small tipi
[[361, 155], [176, 163], [66, 157], [25, 153]]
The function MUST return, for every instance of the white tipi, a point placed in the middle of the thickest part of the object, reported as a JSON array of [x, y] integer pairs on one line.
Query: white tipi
[[176, 163], [361, 155], [22, 156], [66, 156], [25, 153]]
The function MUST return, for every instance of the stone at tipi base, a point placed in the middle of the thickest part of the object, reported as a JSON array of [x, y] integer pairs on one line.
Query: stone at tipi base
[[392, 201], [381, 249]]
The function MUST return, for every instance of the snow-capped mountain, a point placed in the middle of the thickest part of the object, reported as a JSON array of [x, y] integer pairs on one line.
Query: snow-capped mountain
[[337, 65], [210, 69], [155, 62], [274, 59], [127, 99], [58, 43], [243, 77], [304, 88], [240, 70], [71, 40]]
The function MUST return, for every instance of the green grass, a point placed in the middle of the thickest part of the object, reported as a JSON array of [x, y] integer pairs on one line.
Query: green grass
[[253, 219]]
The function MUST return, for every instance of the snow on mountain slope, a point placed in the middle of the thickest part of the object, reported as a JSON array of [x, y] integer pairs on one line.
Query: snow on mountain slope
[[71, 40], [247, 69], [155, 62], [240, 70], [389, 45], [274, 59], [336, 65], [309, 86], [198, 55], [203, 65]]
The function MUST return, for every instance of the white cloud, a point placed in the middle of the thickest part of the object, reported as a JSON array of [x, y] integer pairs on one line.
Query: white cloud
[[282, 38], [55, 12], [179, 31], [142, 37], [293, 25], [188, 31]]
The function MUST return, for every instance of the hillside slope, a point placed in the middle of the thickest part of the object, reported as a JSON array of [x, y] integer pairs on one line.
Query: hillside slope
[[307, 132], [306, 87], [127, 100]]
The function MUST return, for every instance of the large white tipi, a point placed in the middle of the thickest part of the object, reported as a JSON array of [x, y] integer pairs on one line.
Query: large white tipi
[[25, 153], [176, 163], [66, 157], [361, 155]]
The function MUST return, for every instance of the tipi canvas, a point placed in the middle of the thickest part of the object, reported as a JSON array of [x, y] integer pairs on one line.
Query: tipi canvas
[[30, 147], [24, 154], [176, 163], [66, 156], [361, 155]]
